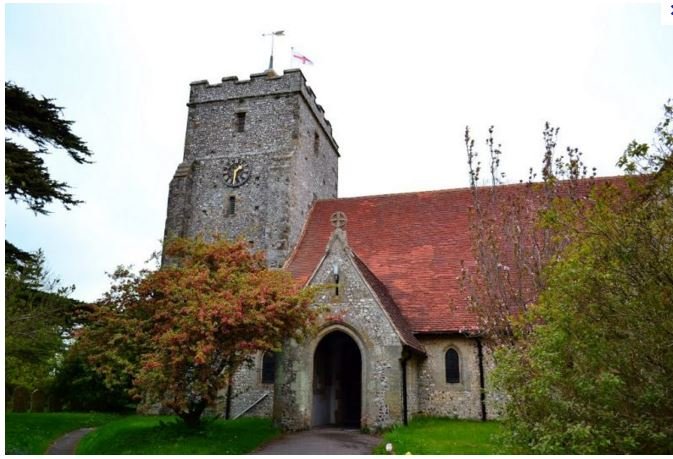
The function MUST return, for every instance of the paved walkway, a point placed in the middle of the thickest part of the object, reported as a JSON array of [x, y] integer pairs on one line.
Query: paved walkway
[[324, 440], [68, 442]]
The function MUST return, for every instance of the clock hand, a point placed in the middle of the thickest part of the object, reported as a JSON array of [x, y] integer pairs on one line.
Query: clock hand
[[236, 171]]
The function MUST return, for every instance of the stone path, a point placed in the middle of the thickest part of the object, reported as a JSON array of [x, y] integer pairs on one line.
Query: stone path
[[68, 442], [324, 440]]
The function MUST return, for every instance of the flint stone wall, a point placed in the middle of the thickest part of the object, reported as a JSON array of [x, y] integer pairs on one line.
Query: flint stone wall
[[290, 169], [247, 388], [357, 313], [459, 400]]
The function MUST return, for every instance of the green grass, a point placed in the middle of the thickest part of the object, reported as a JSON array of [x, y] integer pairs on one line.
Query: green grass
[[169, 435], [443, 436], [32, 433]]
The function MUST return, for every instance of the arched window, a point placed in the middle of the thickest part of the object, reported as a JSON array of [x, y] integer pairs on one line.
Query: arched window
[[268, 368], [452, 365]]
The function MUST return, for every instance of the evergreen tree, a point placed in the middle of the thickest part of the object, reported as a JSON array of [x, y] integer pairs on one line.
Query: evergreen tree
[[38, 314], [26, 176]]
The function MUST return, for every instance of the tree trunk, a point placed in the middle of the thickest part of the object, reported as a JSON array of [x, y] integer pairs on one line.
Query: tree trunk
[[192, 418]]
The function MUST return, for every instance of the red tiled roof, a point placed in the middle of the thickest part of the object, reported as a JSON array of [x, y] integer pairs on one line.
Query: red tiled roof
[[412, 242], [391, 308]]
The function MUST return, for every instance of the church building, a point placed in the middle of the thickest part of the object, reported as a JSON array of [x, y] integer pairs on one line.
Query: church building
[[398, 339]]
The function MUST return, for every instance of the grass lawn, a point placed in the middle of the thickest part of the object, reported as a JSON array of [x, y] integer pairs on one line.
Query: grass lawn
[[443, 436], [32, 433], [168, 435]]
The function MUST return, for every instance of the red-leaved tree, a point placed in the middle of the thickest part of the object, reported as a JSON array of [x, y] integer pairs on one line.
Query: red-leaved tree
[[181, 331]]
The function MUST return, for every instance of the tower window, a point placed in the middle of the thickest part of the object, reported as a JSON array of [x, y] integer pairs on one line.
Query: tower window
[[232, 205], [316, 143], [452, 365], [268, 368], [240, 121]]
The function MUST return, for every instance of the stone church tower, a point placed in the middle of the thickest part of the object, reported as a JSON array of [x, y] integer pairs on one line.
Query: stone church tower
[[258, 154]]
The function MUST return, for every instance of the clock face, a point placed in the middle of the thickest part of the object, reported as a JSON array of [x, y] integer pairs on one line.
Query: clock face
[[236, 172]]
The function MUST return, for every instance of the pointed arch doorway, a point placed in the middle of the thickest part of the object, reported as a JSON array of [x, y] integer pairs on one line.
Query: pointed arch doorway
[[337, 381]]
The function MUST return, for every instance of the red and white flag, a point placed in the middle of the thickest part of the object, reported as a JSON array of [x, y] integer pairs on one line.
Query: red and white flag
[[301, 58]]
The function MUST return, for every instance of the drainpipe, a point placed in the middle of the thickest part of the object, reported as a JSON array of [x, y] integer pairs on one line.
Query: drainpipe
[[482, 392], [405, 409], [227, 413]]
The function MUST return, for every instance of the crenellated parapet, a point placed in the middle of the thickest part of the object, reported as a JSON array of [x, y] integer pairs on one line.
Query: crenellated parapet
[[260, 85]]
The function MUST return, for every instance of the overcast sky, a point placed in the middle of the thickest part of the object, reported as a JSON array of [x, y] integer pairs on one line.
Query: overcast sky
[[398, 80]]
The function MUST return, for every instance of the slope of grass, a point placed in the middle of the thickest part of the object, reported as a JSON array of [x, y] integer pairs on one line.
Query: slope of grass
[[443, 436], [32, 433], [169, 435]]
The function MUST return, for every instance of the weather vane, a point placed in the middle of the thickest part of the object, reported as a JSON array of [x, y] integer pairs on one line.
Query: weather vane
[[278, 33]]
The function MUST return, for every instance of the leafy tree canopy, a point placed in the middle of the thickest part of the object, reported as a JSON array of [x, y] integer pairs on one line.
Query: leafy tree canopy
[[78, 387], [181, 331], [16, 259], [26, 176], [38, 317], [592, 367]]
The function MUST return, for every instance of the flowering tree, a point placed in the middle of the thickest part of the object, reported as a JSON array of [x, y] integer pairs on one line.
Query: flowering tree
[[511, 244], [181, 331]]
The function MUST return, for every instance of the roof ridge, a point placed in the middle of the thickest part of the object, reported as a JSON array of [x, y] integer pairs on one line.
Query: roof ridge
[[465, 188]]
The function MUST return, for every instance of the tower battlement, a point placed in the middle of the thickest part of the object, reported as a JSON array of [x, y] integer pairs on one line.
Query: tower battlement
[[260, 85]]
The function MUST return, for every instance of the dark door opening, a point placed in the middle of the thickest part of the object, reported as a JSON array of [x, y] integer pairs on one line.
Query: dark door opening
[[337, 381]]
